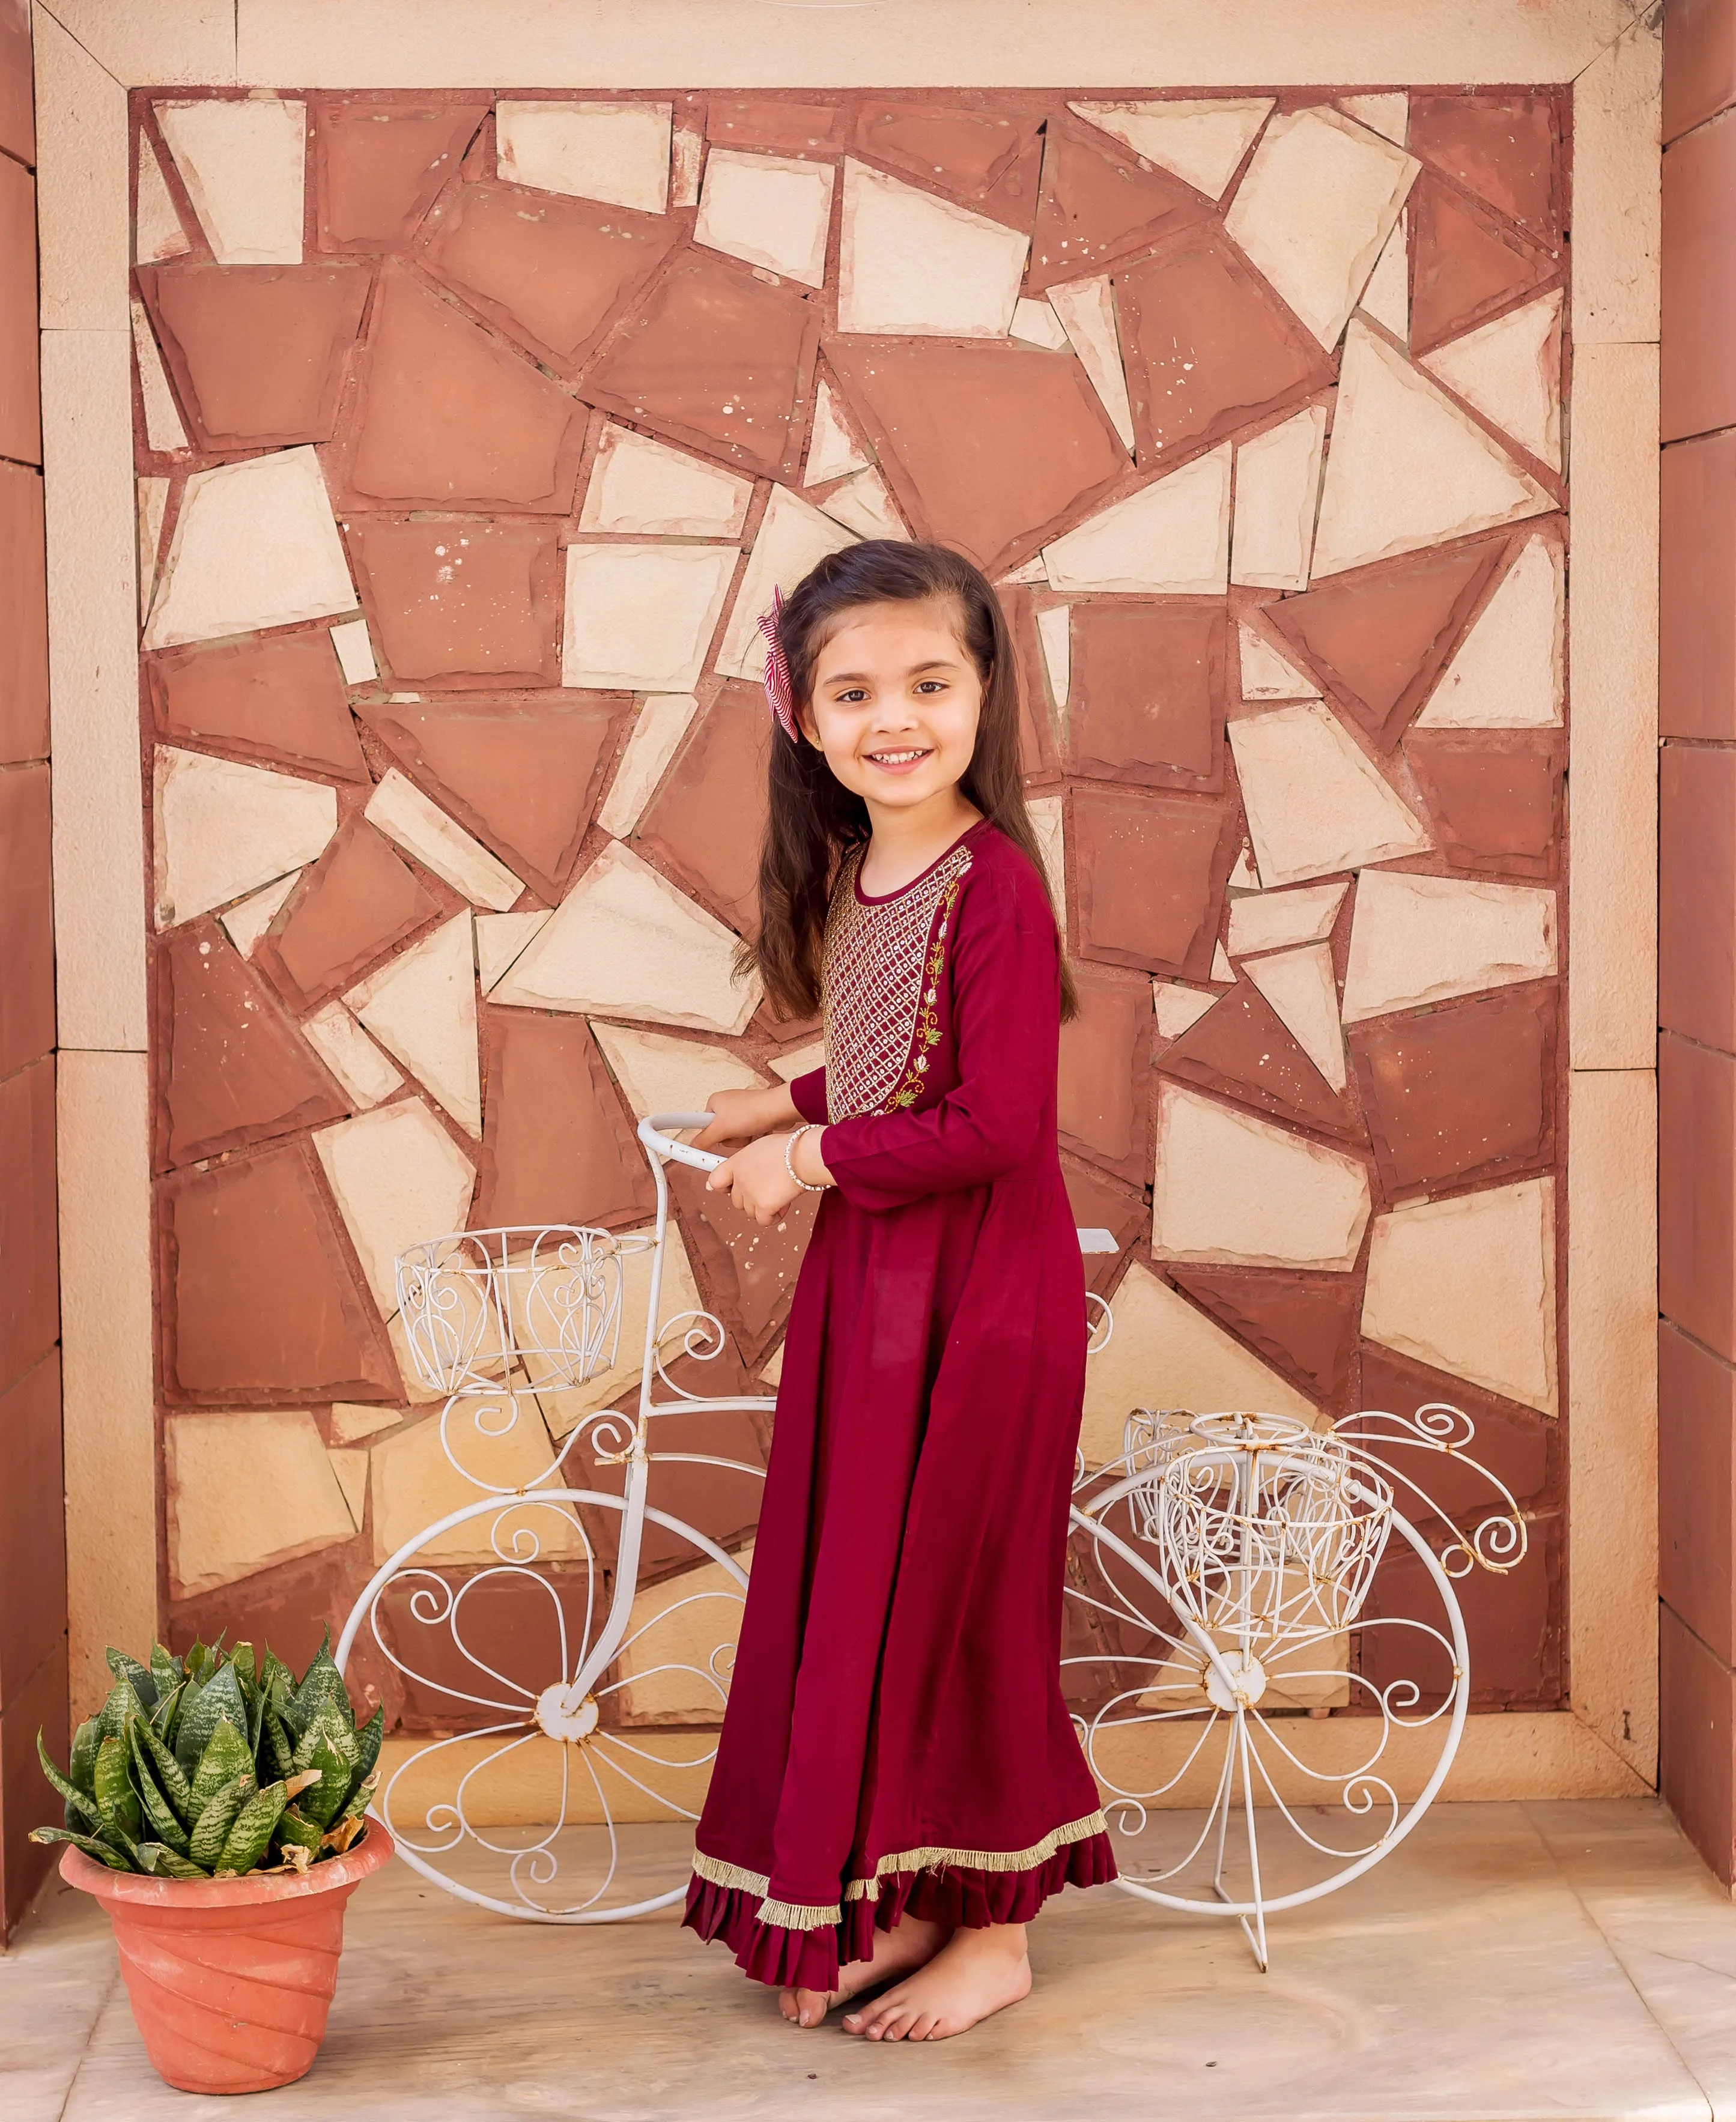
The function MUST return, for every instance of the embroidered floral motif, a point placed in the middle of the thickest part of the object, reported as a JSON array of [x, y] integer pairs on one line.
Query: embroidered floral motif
[[881, 976]]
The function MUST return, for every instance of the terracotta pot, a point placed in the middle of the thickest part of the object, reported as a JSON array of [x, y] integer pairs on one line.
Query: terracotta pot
[[231, 1980]]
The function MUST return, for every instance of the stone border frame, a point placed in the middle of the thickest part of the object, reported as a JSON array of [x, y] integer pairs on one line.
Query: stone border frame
[[89, 52]]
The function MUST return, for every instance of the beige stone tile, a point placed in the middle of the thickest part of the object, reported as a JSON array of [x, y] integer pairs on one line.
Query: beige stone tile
[[1315, 209], [1163, 1353], [1171, 537], [1613, 1375], [1510, 370], [640, 486], [367, 1077], [1243, 875], [1055, 630], [399, 1179], [832, 451], [1467, 1285], [1266, 674], [1177, 1007], [351, 1421], [1405, 467], [1303, 993], [771, 1370], [499, 939], [1087, 310], [1280, 920], [1387, 115], [418, 1394], [1036, 322], [617, 152], [1200, 139], [661, 723], [913, 262], [686, 155], [564, 1408], [1232, 1188], [660, 1074], [93, 688], [351, 1469], [1315, 801], [625, 943], [243, 165], [792, 537], [1033, 571], [164, 430], [1222, 969], [1277, 491], [1617, 114], [1612, 747], [864, 505], [355, 652], [1507, 672], [223, 828], [153, 505], [421, 1007], [415, 1483], [1419, 939], [1049, 820], [1387, 298], [103, 1131], [249, 919], [157, 233], [255, 544], [675, 1658], [82, 235], [771, 210], [246, 1488], [156, 43], [801, 1062], [640, 617], [399, 809]]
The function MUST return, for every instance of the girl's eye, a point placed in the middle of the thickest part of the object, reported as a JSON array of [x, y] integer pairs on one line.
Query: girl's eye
[[850, 698], [932, 685]]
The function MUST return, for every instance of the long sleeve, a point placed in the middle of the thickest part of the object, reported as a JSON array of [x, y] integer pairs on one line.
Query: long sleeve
[[809, 1094], [1006, 1005]]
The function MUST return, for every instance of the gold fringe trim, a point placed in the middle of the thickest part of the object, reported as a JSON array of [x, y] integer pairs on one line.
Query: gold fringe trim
[[721, 1874], [799, 1915]]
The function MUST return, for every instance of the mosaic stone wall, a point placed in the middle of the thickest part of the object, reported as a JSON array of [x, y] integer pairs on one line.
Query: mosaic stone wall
[[473, 435]]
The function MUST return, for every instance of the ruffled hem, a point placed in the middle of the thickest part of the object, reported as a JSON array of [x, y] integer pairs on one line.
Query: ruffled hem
[[964, 1897]]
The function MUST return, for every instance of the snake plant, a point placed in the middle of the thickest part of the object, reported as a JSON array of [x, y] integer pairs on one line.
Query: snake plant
[[218, 1764]]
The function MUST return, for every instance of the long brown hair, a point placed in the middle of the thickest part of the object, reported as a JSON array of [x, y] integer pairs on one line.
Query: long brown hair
[[813, 818]]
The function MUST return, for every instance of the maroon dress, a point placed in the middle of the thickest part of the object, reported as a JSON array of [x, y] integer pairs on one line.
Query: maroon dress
[[896, 1738]]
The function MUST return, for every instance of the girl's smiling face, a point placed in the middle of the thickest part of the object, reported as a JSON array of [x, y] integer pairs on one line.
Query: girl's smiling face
[[895, 701]]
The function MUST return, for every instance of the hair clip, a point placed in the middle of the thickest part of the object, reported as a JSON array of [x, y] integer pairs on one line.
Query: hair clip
[[778, 695]]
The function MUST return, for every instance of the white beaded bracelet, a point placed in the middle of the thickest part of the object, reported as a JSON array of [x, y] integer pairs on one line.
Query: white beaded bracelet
[[790, 1141]]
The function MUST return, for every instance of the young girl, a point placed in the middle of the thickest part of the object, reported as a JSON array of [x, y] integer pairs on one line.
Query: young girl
[[898, 1787]]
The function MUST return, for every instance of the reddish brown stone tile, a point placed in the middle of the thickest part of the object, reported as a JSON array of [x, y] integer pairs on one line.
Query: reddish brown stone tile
[[1097, 205], [968, 153], [1503, 147], [1525, 1451], [26, 1799], [378, 166], [234, 1069], [1304, 1326], [1150, 873], [24, 627], [1039, 759], [20, 413], [1696, 1205], [261, 1301], [1240, 1050], [30, 1294], [1496, 799], [447, 417], [557, 1147], [1378, 637], [1105, 1064], [32, 1531], [1697, 370], [1146, 699], [1697, 1742], [26, 918], [1697, 1488], [1699, 64], [357, 901], [510, 1624], [788, 128], [460, 601], [746, 1274], [258, 353], [17, 97], [1099, 1203], [1696, 643], [1697, 894], [1513, 1624], [716, 359], [1466, 264], [280, 699], [552, 271], [706, 823], [1464, 1092], [955, 479], [289, 1608], [1206, 345]]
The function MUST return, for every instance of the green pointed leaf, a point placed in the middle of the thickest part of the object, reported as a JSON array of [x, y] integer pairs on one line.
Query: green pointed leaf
[[330, 1747], [173, 1785], [165, 1669], [359, 1799], [123, 1702], [218, 1697], [278, 1749], [322, 1688], [275, 1676], [158, 1810], [166, 1717], [81, 1812], [215, 1821], [142, 1679], [294, 1827], [250, 1836], [227, 1756], [369, 1741], [81, 1769], [87, 1843], [168, 1863], [116, 1799]]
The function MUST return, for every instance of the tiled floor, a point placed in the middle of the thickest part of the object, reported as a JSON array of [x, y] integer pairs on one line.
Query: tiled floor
[[1568, 1960]]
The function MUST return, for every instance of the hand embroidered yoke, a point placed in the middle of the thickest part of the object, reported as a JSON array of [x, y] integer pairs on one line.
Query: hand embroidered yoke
[[896, 1738]]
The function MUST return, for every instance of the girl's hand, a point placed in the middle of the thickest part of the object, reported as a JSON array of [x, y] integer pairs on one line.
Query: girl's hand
[[739, 1115], [756, 1179]]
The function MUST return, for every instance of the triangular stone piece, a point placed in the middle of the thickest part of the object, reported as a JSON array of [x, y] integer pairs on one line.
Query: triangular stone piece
[[833, 452], [1305, 1329], [156, 230], [358, 901], [280, 698], [1087, 310], [1465, 263], [1268, 675], [1300, 988], [1201, 140], [1502, 147], [422, 1008], [1507, 673], [965, 152], [1511, 370], [1093, 209], [1316, 803], [379, 166], [1384, 637], [1241, 1049], [1170, 538]]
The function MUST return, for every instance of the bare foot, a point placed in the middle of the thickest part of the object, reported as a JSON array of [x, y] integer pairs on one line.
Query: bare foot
[[909, 1944], [975, 1973]]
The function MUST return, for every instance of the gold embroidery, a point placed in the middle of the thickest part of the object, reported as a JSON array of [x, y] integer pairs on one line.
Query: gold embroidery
[[882, 969]]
